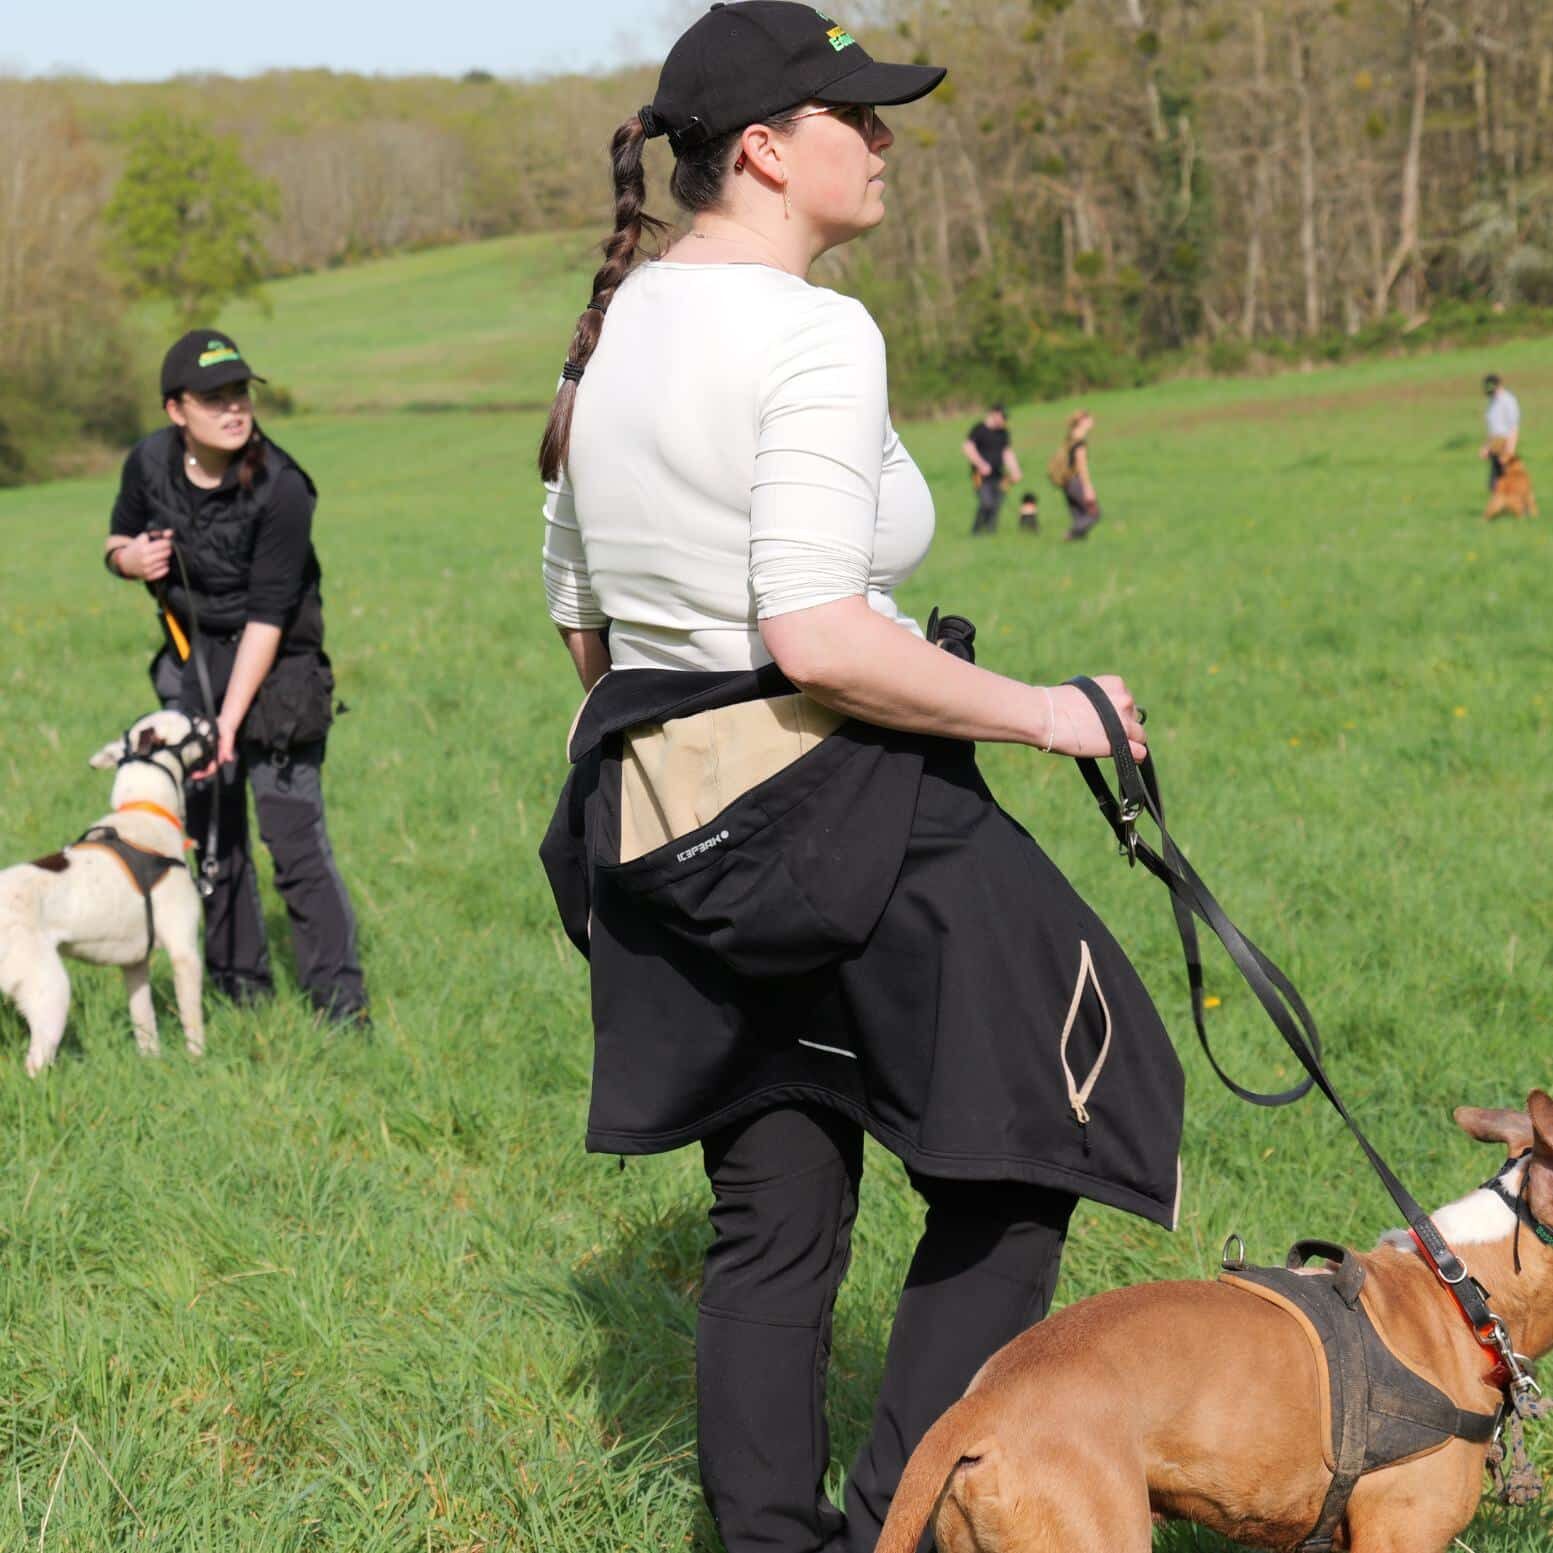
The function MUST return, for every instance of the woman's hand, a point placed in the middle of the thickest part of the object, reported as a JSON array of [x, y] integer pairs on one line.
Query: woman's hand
[[226, 750], [1076, 727], [257, 650], [147, 557]]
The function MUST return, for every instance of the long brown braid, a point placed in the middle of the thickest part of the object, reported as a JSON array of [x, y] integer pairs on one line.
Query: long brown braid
[[253, 461], [632, 224]]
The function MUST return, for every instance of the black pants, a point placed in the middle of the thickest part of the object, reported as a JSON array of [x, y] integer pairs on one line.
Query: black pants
[[786, 1185], [289, 801], [989, 501]]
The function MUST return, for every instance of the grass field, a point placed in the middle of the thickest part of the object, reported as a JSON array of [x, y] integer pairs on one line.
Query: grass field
[[371, 1294]]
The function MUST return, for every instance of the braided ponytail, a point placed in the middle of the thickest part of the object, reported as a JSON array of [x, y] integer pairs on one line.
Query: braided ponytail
[[632, 223]]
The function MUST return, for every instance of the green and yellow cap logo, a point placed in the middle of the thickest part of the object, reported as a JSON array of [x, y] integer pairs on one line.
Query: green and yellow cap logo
[[838, 37], [217, 351]]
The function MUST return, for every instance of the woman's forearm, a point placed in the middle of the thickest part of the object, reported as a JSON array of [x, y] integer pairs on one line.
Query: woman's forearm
[[256, 651], [590, 654], [857, 662], [854, 660]]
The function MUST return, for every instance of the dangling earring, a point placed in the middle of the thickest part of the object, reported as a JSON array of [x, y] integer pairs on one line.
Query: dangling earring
[[787, 205]]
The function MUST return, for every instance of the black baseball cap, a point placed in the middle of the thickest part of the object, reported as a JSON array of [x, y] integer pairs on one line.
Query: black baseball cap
[[204, 358], [750, 60]]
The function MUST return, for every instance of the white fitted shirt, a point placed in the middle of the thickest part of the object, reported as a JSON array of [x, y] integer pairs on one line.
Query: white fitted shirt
[[1503, 413], [731, 459]]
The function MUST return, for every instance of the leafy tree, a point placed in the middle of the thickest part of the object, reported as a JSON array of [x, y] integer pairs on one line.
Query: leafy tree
[[186, 216]]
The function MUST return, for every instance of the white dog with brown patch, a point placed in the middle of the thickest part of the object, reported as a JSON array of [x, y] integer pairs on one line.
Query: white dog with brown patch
[[115, 895]]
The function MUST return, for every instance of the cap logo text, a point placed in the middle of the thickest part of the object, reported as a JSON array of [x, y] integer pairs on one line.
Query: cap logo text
[[838, 37]]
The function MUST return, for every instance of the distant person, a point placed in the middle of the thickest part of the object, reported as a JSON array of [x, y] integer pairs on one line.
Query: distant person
[[1069, 472], [992, 459], [1503, 417], [243, 587], [1030, 512]]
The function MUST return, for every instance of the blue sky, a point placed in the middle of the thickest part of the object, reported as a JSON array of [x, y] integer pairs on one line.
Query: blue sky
[[121, 41]]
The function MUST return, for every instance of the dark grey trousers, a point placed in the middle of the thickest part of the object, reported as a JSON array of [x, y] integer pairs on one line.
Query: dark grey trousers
[[786, 1186], [288, 799], [989, 501], [1083, 516]]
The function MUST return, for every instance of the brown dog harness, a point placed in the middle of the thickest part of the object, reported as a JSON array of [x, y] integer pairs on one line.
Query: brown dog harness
[[146, 869], [1382, 1411]]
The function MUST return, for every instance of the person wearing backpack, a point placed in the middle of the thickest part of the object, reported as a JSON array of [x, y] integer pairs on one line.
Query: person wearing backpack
[[1068, 470], [217, 521]]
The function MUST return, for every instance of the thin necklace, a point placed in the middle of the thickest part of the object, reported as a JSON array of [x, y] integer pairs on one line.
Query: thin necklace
[[740, 242]]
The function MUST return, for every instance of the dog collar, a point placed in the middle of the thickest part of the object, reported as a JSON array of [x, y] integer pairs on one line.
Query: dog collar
[[1516, 1201], [146, 806]]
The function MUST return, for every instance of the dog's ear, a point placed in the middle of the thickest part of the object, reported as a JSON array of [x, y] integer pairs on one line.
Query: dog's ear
[[1511, 1128], [1539, 1110], [1539, 1183], [108, 756], [147, 740]]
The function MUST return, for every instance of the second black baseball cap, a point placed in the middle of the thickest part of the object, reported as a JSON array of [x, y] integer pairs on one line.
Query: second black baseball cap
[[744, 62], [203, 359]]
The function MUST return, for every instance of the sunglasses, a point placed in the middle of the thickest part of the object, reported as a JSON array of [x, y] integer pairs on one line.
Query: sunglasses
[[861, 116]]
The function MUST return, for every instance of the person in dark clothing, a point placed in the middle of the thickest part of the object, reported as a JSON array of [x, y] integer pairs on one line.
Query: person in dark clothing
[[992, 459], [1077, 486], [216, 520]]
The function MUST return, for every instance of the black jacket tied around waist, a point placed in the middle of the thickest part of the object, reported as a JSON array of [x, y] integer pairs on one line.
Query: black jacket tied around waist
[[865, 929]]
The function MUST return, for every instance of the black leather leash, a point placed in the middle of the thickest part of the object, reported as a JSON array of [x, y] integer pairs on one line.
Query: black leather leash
[[1190, 897], [209, 865]]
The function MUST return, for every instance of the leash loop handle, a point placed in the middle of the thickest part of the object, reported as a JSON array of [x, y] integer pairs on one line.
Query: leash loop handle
[[1138, 794]]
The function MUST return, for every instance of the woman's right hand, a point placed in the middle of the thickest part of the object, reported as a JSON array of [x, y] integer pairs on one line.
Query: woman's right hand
[[147, 557], [1077, 729]]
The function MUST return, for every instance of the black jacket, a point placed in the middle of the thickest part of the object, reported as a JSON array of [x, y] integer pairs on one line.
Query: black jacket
[[869, 930], [217, 533]]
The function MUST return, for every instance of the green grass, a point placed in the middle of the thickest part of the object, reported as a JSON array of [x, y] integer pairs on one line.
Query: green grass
[[482, 325], [314, 1294]]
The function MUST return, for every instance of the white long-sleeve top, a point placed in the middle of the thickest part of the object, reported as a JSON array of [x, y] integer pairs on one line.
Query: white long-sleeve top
[[731, 459], [1503, 414]]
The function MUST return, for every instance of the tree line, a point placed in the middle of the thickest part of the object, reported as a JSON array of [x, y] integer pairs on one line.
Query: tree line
[[1226, 175], [1100, 187]]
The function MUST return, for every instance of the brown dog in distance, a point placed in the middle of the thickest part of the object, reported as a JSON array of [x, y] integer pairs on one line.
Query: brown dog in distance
[[1512, 490], [1201, 1402]]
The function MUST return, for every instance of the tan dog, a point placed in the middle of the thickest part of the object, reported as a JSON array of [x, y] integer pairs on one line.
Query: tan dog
[[1512, 489], [83, 901], [1201, 1402]]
